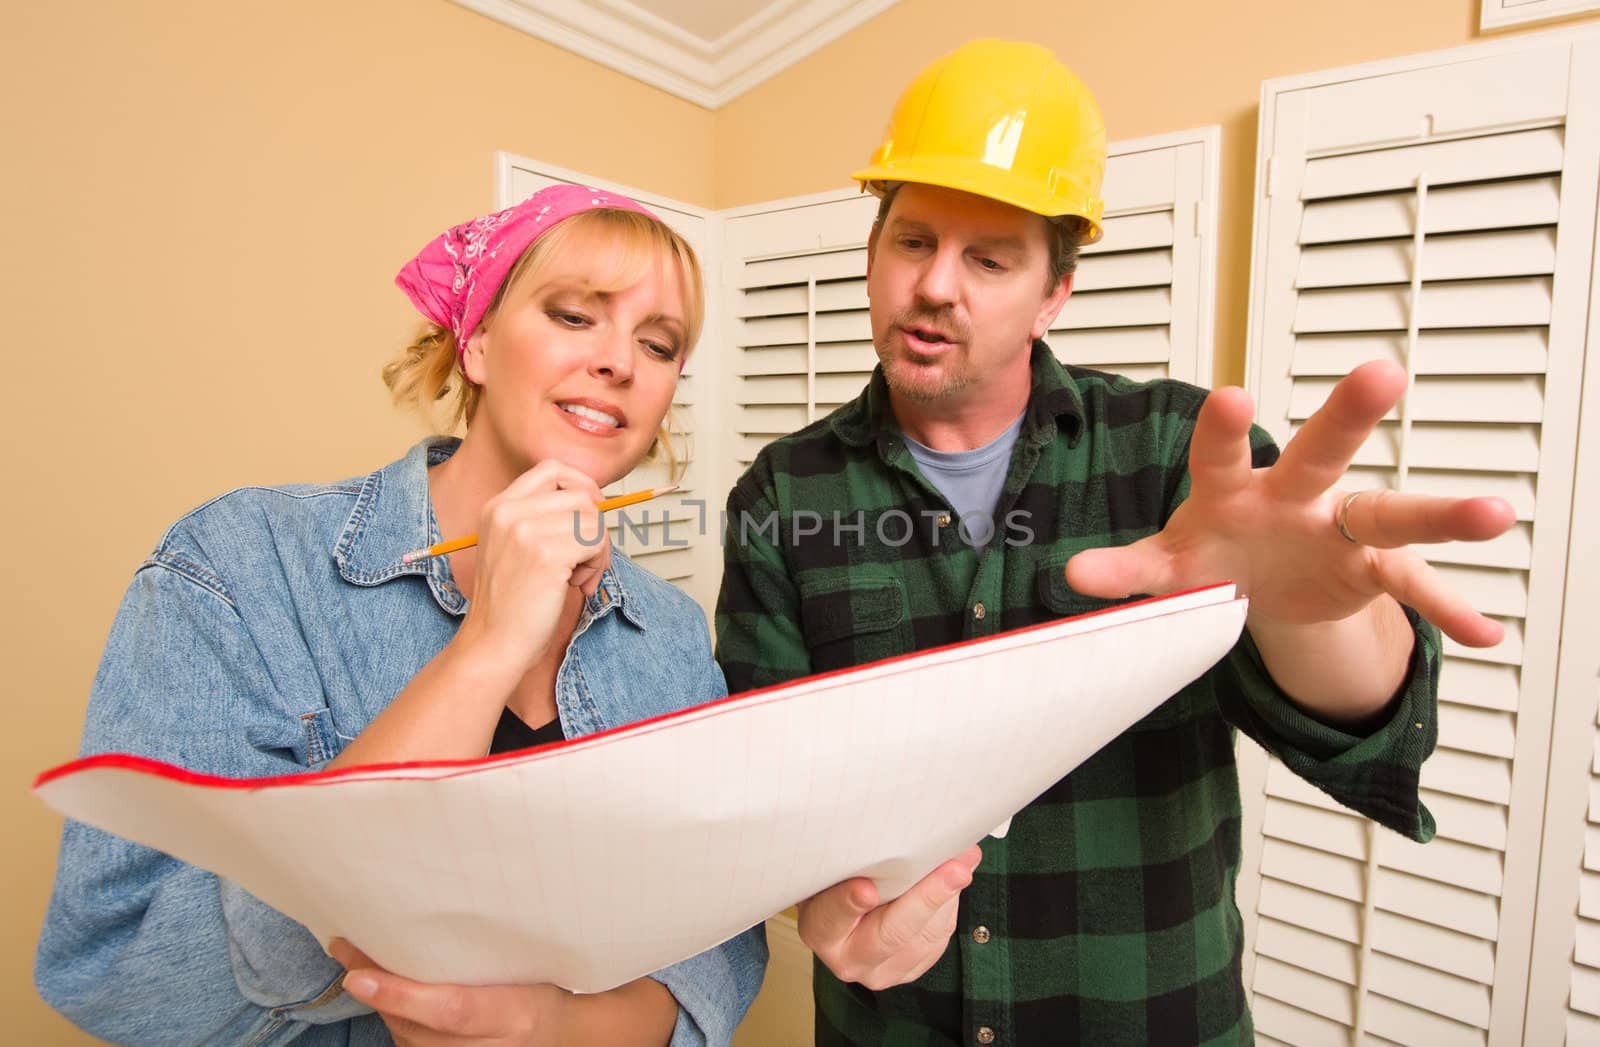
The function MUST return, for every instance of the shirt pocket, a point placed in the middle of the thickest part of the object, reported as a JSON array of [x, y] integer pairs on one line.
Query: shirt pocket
[[322, 743], [1066, 602], [849, 621]]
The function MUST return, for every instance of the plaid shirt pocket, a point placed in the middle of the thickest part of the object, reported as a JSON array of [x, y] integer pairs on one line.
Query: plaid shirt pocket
[[852, 620]]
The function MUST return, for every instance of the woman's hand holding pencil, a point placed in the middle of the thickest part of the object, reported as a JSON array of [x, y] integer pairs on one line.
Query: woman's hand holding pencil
[[540, 539]]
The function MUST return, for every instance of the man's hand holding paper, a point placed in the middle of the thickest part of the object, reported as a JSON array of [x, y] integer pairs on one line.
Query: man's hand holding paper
[[879, 945]]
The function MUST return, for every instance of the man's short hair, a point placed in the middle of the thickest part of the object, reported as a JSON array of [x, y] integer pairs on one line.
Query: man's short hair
[[1066, 236]]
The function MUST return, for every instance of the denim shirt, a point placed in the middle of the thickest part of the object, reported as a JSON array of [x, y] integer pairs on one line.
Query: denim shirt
[[268, 628]]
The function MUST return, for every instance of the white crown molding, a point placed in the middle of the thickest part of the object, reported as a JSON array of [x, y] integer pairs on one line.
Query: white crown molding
[[642, 45]]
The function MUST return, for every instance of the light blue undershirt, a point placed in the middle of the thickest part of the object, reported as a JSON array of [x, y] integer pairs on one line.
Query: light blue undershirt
[[970, 480]]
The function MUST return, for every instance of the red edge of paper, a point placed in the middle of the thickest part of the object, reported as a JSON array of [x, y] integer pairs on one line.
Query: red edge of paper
[[129, 762]]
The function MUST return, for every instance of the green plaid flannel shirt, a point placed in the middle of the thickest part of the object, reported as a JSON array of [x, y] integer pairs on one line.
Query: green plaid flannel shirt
[[1107, 913]]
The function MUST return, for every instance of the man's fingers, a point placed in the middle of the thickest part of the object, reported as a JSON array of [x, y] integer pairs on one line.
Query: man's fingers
[[828, 917], [1322, 450], [1409, 579], [915, 963], [1143, 567], [1219, 450], [1392, 519], [894, 926]]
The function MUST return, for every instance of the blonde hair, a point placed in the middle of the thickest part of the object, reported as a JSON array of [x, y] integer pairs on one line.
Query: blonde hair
[[612, 249]]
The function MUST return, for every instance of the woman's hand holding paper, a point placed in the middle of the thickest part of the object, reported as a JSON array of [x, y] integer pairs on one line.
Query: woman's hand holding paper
[[423, 1015]]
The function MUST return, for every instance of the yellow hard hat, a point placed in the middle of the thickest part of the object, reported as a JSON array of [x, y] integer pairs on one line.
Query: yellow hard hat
[[999, 119]]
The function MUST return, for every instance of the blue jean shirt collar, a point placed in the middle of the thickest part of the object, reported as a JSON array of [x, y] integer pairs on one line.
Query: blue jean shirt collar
[[393, 515]]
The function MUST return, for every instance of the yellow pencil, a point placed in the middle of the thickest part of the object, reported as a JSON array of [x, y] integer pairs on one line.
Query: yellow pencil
[[457, 544]]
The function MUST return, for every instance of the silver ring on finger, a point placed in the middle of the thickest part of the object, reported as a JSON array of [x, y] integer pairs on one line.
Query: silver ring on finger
[[1342, 520]]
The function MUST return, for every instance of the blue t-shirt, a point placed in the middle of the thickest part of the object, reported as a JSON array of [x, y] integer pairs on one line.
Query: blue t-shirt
[[970, 480]]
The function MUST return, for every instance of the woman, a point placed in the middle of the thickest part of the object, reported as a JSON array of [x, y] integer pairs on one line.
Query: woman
[[279, 629]]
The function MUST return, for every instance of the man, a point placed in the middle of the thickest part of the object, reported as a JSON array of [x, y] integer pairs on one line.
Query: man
[[1107, 914]]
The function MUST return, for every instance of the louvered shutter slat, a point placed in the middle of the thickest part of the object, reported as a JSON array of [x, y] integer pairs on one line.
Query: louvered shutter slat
[[771, 389], [855, 326], [1512, 155], [1589, 897], [773, 301], [1412, 1025], [1453, 209], [846, 358], [1448, 861], [1404, 980], [1480, 684], [1508, 398], [797, 269], [1466, 303], [1299, 947], [1125, 269], [1502, 448], [1469, 775], [1291, 1025], [1587, 948], [1320, 829], [1474, 256], [1506, 350], [1293, 864], [1314, 910], [1433, 948], [1439, 904], [1477, 731], [1496, 592], [1115, 347], [773, 330], [1132, 232], [1480, 823], [1139, 307], [1310, 991], [834, 296], [757, 361]]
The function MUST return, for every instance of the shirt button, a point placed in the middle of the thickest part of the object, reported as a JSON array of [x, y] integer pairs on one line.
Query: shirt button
[[985, 1034], [978, 611], [980, 935], [944, 519]]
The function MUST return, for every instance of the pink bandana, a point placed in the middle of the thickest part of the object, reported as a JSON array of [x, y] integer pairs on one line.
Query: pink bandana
[[453, 280]]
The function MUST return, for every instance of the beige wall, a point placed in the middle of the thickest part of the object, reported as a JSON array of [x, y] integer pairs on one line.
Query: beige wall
[[203, 206], [1154, 65]]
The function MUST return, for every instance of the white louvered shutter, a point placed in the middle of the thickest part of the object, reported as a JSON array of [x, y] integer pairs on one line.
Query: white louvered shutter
[[672, 536], [1437, 212], [1564, 987], [1143, 302], [799, 332]]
